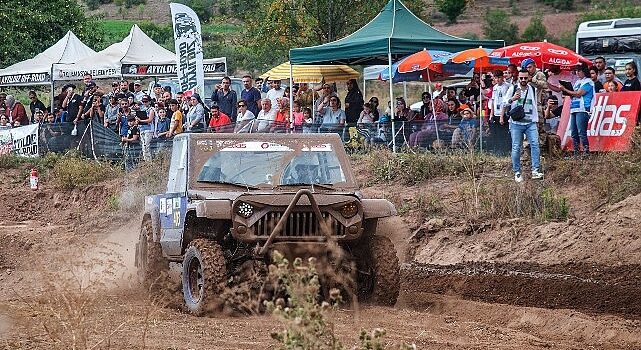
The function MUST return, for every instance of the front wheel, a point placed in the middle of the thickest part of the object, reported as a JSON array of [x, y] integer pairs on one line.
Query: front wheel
[[203, 276], [378, 271], [150, 262]]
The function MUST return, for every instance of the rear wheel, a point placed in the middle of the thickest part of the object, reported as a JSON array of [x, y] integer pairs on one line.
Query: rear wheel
[[203, 276], [152, 266], [378, 271]]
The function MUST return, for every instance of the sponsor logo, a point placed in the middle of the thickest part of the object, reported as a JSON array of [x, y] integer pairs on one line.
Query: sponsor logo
[[24, 78], [529, 48], [608, 119], [559, 61], [557, 51]]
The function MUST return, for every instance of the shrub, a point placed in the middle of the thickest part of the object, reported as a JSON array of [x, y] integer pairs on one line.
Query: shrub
[[497, 26], [451, 8], [536, 30], [72, 172]]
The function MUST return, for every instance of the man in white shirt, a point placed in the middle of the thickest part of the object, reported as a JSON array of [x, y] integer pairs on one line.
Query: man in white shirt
[[275, 93], [266, 116], [138, 93], [499, 89]]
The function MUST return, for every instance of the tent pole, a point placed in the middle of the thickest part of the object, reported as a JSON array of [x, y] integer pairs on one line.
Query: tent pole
[[391, 92], [438, 139], [53, 89], [364, 88], [405, 90], [481, 111], [291, 93]]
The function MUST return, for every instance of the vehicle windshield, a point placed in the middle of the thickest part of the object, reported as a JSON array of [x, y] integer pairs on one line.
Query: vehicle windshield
[[256, 163]]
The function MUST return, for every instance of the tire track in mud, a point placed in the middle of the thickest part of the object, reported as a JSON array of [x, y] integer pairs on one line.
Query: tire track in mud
[[587, 287]]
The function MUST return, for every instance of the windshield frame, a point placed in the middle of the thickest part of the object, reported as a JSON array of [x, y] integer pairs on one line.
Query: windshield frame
[[203, 145]]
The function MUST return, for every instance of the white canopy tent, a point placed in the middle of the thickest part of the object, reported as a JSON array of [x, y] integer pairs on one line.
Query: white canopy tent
[[37, 70], [136, 56]]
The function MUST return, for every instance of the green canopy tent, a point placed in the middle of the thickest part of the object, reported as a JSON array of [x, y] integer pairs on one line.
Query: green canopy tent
[[395, 32]]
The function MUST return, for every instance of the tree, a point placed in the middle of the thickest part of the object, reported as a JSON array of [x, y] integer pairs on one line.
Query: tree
[[451, 8], [31, 26], [497, 26], [536, 30]]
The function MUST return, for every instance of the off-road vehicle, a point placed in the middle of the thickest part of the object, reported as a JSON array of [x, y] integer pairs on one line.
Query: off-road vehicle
[[232, 199]]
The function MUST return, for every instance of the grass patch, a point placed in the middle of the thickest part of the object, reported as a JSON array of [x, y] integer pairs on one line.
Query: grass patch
[[75, 172]]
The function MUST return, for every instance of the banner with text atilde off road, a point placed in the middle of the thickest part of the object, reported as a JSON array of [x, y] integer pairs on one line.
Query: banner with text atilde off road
[[612, 121]]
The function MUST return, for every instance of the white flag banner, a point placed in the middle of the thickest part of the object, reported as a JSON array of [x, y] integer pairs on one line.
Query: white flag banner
[[189, 48], [22, 141]]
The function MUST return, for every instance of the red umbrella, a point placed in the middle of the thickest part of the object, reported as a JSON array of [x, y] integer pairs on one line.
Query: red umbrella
[[542, 52]]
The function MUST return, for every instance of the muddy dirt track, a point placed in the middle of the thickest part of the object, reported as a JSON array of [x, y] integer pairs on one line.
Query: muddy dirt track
[[461, 305]]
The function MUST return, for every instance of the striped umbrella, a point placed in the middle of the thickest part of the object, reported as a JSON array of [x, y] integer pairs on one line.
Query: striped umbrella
[[312, 73]]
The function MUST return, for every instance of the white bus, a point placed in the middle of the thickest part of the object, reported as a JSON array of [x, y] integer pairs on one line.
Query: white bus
[[618, 40]]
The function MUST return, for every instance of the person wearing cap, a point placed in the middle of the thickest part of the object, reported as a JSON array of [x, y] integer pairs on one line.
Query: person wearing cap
[[71, 103], [96, 111], [35, 104], [128, 141], [147, 127], [523, 95], [580, 108], [176, 124], [138, 93], [111, 113], [87, 102], [226, 98], [467, 130]]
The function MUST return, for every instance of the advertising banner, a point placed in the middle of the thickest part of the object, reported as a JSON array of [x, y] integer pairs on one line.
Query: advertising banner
[[612, 122], [160, 70], [22, 141], [24, 79], [189, 48]]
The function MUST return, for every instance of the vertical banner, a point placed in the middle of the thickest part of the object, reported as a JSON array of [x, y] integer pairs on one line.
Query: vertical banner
[[189, 49], [611, 123]]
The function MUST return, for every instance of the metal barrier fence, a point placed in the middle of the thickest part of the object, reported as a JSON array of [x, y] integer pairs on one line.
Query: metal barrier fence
[[95, 141]]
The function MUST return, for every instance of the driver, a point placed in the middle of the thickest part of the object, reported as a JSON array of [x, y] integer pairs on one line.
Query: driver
[[305, 170]]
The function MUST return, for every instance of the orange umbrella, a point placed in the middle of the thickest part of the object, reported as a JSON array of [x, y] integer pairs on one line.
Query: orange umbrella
[[480, 59], [422, 60]]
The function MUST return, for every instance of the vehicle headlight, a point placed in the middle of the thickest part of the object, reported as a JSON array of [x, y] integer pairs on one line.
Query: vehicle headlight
[[348, 210], [245, 210]]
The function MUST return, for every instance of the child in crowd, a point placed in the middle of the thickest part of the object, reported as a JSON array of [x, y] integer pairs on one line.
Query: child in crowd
[[299, 117], [162, 124], [132, 138], [4, 122], [367, 116]]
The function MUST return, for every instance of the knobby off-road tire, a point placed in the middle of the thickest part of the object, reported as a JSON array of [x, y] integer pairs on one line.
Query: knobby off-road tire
[[152, 266], [381, 283], [203, 276]]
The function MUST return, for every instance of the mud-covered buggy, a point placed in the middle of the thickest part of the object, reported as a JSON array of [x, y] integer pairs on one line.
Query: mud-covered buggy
[[232, 199]]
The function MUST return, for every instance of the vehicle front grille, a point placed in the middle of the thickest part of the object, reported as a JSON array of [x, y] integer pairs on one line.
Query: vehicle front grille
[[299, 224]]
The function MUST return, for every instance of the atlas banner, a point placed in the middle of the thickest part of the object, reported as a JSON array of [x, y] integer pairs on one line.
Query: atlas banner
[[611, 124], [25, 79], [157, 70], [22, 141], [189, 48], [96, 73]]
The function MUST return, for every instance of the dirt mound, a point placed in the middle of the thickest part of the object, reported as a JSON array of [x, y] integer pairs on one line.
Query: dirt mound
[[608, 237]]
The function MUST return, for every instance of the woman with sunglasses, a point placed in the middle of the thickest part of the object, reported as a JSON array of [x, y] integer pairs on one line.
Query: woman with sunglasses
[[245, 117]]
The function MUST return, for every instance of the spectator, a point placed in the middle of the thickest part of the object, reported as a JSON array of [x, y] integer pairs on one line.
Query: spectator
[[250, 95], [630, 84], [157, 93], [39, 117], [219, 121], [305, 96], [258, 84], [138, 93], [162, 123], [123, 114], [226, 98], [331, 113], [524, 95], [557, 75], [512, 74], [245, 118], [451, 94], [3, 105], [582, 96], [281, 123], [195, 118], [325, 93], [426, 107], [466, 132], [552, 113], [286, 94], [402, 112], [127, 141], [275, 93], [599, 64], [87, 104], [366, 117], [428, 127], [183, 99], [473, 88], [498, 93], [16, 112], [299, 117], [353, 101], [147, 128], [111, 113], [4, 122], [611, 84], [176, 124], [594, 75], [453, 112], [124, 89], [96, 112], [373, 101], [35, 104], [266, 116], [438, 90], [51, 118]]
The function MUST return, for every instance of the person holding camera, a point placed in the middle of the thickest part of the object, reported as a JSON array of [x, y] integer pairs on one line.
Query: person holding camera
[[89, 95], [96, 113], [582, 95], [519, 105]]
